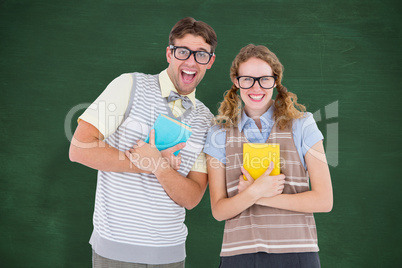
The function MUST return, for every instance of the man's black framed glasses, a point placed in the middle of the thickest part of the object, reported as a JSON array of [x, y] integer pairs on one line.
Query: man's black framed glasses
[[183, 53], [266, 82]]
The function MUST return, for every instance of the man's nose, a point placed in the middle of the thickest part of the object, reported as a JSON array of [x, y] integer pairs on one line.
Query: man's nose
[[191, 60]]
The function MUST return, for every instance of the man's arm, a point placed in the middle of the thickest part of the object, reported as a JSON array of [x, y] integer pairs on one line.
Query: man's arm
[[185, 191], [88, 148]]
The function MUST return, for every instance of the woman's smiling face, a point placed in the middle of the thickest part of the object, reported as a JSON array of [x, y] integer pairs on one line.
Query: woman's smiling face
[[256, 99]]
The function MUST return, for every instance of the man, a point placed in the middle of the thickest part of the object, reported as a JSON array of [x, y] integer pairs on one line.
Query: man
[[139, 215]]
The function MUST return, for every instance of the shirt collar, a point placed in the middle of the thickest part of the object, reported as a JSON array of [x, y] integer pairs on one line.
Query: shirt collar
[[167, 86], [267, 117]]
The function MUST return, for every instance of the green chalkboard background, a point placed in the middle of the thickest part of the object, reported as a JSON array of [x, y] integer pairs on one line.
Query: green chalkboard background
[[341, 57]]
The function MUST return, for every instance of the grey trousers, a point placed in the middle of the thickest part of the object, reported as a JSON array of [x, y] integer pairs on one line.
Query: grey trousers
[[268, 260], [102, 262]]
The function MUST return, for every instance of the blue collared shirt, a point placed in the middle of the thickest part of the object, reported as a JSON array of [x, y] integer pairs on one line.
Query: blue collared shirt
[[305, 134]]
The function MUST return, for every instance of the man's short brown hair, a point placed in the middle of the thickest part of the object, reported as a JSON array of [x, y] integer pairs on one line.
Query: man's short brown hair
[[198, 28]]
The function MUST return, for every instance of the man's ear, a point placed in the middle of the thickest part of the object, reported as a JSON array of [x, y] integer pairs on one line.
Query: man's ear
[[168, 54], [211, 62]]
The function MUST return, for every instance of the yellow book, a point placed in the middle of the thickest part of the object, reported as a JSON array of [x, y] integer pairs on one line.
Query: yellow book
[[258, 156]]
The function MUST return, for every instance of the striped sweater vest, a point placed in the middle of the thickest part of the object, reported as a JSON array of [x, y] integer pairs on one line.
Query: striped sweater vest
[[134, 218], [262, 228]]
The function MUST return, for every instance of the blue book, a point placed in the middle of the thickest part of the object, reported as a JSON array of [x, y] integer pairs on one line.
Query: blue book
[[169, 132]]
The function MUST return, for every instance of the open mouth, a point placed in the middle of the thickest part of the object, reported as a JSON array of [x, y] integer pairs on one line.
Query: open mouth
[[188, 76], [256, 97]]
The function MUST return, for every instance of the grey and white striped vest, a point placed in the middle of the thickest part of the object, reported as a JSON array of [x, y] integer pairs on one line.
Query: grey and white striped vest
[[134, 218]]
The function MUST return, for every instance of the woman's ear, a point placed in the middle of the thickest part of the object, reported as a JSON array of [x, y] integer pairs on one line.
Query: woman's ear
[[235, 82]]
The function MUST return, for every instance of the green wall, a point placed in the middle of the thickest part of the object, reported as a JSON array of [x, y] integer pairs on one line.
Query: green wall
[[342, 58]]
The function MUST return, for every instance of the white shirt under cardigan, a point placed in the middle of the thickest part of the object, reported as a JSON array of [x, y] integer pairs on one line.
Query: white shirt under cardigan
[[107, 111]]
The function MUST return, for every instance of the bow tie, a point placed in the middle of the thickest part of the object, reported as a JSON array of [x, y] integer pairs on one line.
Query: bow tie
[[185, 101]]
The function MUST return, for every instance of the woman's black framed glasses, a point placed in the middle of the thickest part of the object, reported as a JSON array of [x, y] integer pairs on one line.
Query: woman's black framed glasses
[[266, 82]]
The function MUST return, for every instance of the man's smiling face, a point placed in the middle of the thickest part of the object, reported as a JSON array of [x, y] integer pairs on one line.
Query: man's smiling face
[[187, 74]]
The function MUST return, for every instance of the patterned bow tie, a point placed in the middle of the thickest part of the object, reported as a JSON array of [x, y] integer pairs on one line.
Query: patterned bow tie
[[185, 101]]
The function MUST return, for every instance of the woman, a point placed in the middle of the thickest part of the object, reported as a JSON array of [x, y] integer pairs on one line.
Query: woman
[[269, 221]]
